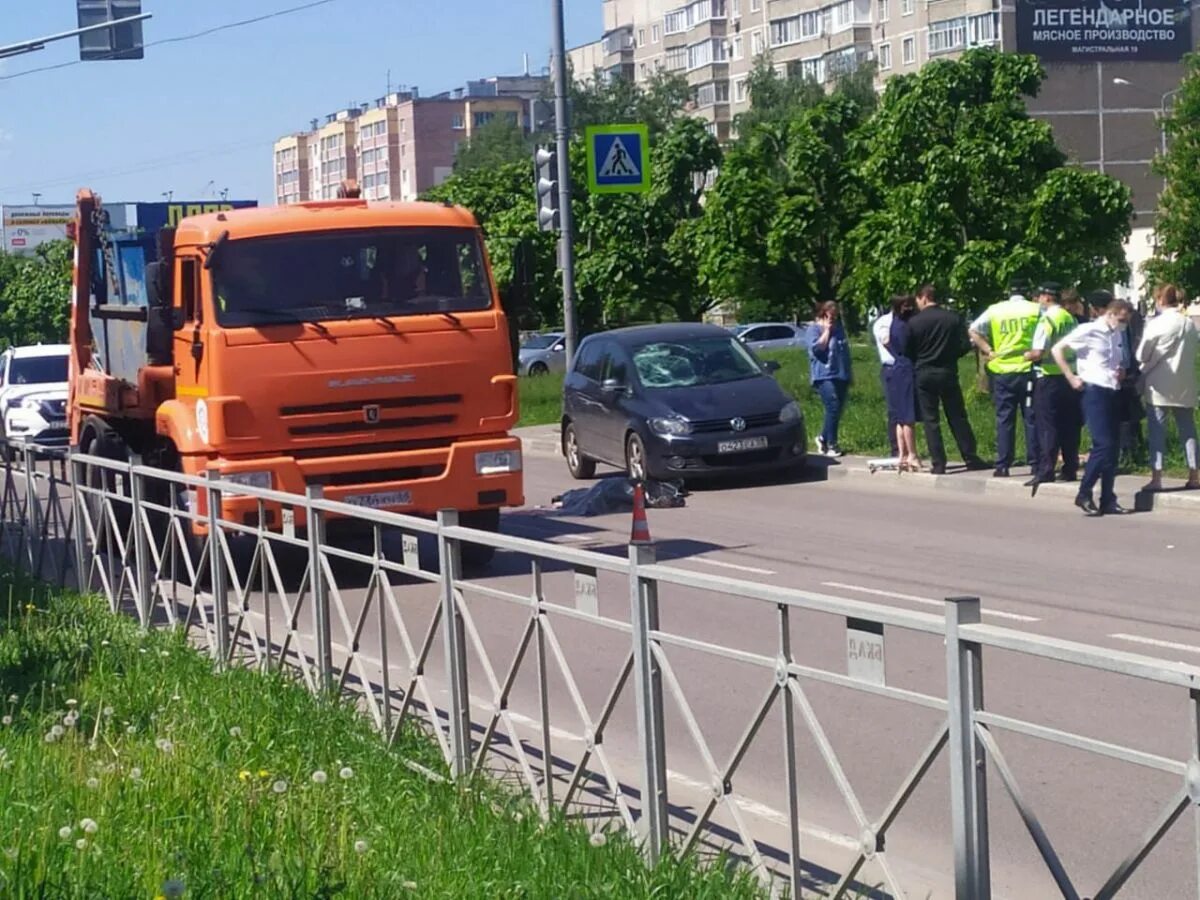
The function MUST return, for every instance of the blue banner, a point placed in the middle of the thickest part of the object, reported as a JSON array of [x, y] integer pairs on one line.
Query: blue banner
[[153, 216]]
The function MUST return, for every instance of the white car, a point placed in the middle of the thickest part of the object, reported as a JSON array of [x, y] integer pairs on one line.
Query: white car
[[772, 336], [33, 394]]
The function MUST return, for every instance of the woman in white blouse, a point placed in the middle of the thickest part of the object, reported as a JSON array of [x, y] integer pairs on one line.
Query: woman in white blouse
[[1167, 355]]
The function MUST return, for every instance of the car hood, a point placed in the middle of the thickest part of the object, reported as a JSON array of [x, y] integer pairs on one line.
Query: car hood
[[748, 397], [40, 391]]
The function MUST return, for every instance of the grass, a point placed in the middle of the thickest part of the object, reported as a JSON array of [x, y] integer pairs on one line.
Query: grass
[[128, 768], [864, 421]]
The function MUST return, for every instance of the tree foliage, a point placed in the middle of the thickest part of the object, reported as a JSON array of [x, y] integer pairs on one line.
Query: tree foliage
[[1177, 228], [499, 142], [967, 190], [35, 295]]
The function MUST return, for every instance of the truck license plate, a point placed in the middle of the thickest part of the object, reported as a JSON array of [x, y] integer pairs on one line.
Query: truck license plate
[[740, 445], [381, 500]]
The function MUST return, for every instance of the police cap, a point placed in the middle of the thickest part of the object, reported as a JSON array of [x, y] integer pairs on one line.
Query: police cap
[[1099, 299], [1053, 288]]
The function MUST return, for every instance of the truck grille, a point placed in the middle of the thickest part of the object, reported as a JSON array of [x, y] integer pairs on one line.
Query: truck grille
[[376, 476], [712, 426], [374, 427], [346, 406]]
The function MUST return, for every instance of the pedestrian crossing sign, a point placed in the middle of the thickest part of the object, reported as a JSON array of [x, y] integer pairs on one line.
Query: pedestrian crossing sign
[[618, 159]]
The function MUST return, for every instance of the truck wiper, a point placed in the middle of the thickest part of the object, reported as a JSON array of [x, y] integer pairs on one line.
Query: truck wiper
[[455, 320], [285, 315]]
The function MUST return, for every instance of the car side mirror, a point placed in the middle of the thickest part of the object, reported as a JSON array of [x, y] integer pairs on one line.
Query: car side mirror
[[770, 366], [612, 386], [558, 348]]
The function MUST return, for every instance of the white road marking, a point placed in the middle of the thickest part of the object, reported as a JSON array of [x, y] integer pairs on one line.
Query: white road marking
[[928, 601], [734, 566], [1155, 642]]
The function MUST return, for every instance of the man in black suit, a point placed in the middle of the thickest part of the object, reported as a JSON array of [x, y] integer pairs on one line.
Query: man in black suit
[[938, 339]]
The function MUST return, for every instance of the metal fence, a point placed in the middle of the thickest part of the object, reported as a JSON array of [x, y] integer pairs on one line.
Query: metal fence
[[411, 637]]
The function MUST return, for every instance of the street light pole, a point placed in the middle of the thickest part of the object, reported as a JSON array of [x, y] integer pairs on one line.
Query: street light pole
[[562, 135]]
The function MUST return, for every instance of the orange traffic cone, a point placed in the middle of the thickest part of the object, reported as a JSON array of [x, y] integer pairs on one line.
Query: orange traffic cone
[[641, 527]]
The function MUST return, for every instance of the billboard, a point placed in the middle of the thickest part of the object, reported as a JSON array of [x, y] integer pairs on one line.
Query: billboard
[[1084, 31], [25, 227], [153, 216]]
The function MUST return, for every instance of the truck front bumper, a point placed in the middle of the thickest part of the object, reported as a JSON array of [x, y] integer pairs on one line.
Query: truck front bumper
[[467, 475]]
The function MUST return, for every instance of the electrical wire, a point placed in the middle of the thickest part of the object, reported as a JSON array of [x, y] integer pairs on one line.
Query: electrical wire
[[179, 38]]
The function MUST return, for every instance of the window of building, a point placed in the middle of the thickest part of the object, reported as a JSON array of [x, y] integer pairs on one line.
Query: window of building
[[907, 7], [641, 40], [883, 10], [885, 57], [677, 59], [655, 33], [755, 5], [735, 8], [982, 30], [482, 118], [910, 51], [841, 16], [706, 53], [741, 90], [813, 69], [643, 70], [676, 21], [947, 36], [712, 92], [737, 48], [757, 45], [458, 123]]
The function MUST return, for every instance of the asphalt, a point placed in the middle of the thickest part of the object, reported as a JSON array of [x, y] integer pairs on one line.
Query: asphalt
[[908, 541]]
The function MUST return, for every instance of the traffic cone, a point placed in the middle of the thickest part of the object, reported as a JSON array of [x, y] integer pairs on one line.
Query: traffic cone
[[641, 527]]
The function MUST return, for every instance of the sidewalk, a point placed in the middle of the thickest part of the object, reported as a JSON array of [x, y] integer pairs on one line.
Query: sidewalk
[[543, 440]]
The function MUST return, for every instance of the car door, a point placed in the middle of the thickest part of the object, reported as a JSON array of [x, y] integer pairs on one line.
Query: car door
[[556, 356], [581, 397], [754, 338], [778, 337], [616, 393]]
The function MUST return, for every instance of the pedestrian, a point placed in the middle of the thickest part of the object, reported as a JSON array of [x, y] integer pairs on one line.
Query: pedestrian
[[1073, 303], [937, 340], [1099, 355], [880, 331], [1132, 410], [829, 368], [901, 385], [1004, 335], [1167, 354], [1057, 412]]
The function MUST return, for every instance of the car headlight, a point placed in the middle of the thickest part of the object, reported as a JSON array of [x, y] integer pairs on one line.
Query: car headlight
[[14, 402], [260, 480], [790, 413], [671, 425], [497, 462]]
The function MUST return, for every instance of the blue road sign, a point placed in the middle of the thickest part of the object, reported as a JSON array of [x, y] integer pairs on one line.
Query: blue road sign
[[618, 159]]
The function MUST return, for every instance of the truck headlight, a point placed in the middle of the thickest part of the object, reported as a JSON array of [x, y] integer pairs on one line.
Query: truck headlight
[[671, 425], [497, 462], [260, 480], [790, 413]]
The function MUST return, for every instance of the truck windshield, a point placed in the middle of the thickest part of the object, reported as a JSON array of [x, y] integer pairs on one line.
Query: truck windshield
[[38, 370], [350, 275]]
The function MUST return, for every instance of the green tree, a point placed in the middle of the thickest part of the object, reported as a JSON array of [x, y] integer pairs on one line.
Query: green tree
[[1177, 227], [494, 144], [967, 190], [657, 102], [35, 295]]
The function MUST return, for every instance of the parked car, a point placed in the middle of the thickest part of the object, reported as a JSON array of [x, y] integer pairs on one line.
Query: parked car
[[677, 401], [33, 394], [772, 335], [543, 354]]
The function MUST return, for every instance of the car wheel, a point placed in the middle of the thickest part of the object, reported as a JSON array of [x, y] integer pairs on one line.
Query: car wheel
[[578, 465], [635, 458], [537, 370]]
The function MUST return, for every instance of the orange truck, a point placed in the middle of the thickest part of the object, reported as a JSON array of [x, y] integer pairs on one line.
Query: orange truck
[[357, 346]]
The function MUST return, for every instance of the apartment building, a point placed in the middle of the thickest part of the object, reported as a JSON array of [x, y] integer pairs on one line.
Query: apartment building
[[402, 144]]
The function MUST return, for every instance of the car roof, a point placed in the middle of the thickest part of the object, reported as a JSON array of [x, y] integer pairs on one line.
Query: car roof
[[41, 350], [669, 331]]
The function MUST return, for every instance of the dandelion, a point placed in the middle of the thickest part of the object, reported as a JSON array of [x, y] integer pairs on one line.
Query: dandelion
[[71, 704], [279, 787], [235, 732], [6, 720], [131, 729], [599, 839], [65, 832], [135, 774], [409, 885], [141, 649], [13, 698], [360, 846], [81, 844], [93, 783], [163, 653], [51, 737], [104, 643], [319, 777], [58, 731], [263, 773], [164, 745], [244, 775], [89, 826], [29, 607], [108, 712], [346, 774], [172, 888], [70, 719]]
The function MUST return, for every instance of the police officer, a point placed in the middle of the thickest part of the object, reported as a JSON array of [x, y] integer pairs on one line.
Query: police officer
[[1004, 335], [1056, 406]]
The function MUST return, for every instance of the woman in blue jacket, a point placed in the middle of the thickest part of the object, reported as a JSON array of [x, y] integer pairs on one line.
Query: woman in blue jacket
[[829, 367]]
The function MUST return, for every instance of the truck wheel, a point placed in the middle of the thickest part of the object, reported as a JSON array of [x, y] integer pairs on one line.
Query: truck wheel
[[103, 442], [478, 556]]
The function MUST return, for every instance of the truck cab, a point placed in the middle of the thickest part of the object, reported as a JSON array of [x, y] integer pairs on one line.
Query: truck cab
[[359, 347]]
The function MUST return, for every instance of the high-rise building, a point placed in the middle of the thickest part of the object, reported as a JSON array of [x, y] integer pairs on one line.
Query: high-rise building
[[403, 143]]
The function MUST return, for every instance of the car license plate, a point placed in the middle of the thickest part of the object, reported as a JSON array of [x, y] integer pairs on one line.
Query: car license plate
[[740, 445], [381, 500], [58, 425]]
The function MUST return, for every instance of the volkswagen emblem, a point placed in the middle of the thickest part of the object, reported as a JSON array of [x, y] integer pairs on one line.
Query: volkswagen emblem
[[738, 424], [371, 414]]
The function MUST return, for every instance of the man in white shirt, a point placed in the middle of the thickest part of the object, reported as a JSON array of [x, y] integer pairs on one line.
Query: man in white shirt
[[879, 330], [1167, 353], [1099, 356]]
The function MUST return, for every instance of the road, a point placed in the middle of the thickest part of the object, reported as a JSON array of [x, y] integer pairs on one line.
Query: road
[[1124, 583]]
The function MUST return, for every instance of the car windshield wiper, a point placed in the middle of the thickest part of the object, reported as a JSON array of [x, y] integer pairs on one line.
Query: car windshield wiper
[[284, 315]]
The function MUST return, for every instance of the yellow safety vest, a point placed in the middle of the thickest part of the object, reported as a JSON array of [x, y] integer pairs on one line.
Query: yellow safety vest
[[1013, 322], [1056, 324]]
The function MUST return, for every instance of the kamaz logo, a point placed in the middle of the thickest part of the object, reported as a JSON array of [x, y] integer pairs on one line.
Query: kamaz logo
[[338, 383]]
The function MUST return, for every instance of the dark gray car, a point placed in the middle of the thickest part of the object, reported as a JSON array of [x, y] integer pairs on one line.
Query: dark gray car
[[677, 401]]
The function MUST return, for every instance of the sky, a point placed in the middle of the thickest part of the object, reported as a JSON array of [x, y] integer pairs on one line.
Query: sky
[[199, 116]]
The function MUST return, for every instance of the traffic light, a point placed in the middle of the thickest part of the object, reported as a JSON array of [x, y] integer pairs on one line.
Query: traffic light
[[546, 162], [121, 41]]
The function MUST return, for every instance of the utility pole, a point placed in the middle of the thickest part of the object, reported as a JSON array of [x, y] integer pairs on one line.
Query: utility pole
[[562, 135]]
